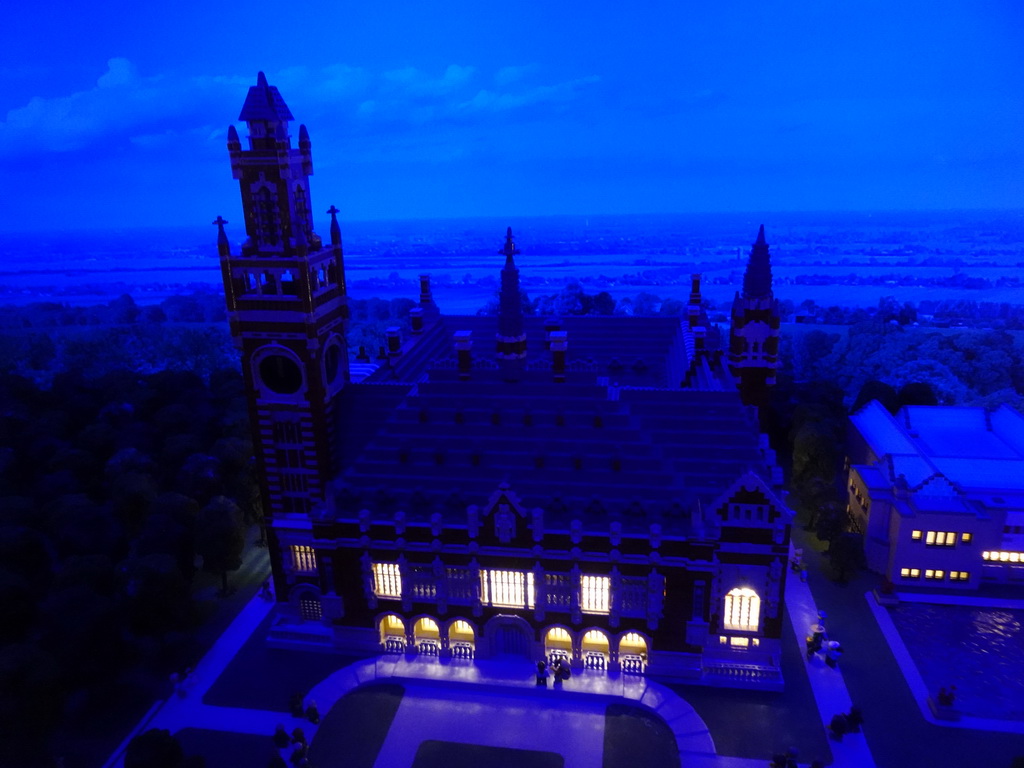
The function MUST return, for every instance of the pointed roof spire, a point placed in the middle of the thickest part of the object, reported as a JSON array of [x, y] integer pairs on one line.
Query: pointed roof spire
[[335, 229], [757, 279], [264, 102], [509, 249]]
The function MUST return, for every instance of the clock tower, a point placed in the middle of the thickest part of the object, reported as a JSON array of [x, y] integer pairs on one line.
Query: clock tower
[[287, 307]]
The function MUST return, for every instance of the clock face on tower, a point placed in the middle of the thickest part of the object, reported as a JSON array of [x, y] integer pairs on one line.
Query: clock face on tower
[[277, 371]]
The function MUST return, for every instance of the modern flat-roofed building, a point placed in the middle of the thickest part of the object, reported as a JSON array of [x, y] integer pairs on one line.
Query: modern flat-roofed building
[[938, 492]]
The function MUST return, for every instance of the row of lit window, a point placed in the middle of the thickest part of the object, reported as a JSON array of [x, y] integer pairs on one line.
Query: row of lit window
[[502, 589], [934, 575], [940, 538], [1003, 557]]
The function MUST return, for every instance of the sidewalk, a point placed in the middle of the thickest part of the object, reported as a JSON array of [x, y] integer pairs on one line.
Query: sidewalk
[[828, 684]]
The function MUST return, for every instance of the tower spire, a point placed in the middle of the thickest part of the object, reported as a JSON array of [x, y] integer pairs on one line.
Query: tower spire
[[511, 339], [754, 335], [757, 279]]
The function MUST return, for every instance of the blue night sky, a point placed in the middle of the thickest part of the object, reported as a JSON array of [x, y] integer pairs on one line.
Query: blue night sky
[[117, 117]]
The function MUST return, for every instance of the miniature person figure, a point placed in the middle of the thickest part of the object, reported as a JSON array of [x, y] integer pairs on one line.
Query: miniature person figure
[[312, 713], [276, 761], [854, 719], [298, 737], [838, 726], [265, 591], [542, 674], [298, 754], [281, 737], [556, 673], [832, 653]]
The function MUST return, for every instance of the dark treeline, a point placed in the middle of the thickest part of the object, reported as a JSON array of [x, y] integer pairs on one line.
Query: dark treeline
[[112, 489]]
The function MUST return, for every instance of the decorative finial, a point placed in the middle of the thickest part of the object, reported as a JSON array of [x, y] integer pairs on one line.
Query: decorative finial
[[335, 229], [509, 249], [223, 247], [760, 236]]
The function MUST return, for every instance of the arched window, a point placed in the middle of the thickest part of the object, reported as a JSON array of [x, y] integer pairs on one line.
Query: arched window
[[742, 610]]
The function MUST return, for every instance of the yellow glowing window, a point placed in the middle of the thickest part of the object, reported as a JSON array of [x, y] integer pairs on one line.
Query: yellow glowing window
[[915, 535], [915, 573], [387, 581], [905, 572], [303, 558], [507, 589], [742, 609], [595, 594], [427, 627], [930, 574], [462, 627], [965, 538], [958, 576], [393, 625], [739, 642], [930, 538]]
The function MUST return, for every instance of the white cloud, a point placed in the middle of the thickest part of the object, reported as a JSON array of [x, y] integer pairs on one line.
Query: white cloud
[[507, 75]]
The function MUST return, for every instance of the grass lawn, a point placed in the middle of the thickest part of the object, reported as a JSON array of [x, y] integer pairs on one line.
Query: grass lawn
[[634, 737], [352, 733], [447, 754], [224, 749]]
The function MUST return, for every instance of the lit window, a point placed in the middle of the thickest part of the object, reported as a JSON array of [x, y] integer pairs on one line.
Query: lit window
[[739, 642], [309, 608], [935, 575], [595, 594], [910, 573], [461, 627], [915, 535], [303, 558], [742, 609], [387, 580], [904, 572], [958, 576], [507, 589], [965, 538], [393, 625], [940, 538]]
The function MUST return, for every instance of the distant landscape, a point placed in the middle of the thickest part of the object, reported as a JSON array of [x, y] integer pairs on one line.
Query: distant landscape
[[842, 259]]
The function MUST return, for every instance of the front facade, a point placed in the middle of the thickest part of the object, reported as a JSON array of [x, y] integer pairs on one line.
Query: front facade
[[591, 488], [938, 492]]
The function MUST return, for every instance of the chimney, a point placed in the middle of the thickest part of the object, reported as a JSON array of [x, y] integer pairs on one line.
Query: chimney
[[558, 343], [463, 346], [551, 324], [416, 319], [394, 337], [426, 297]]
